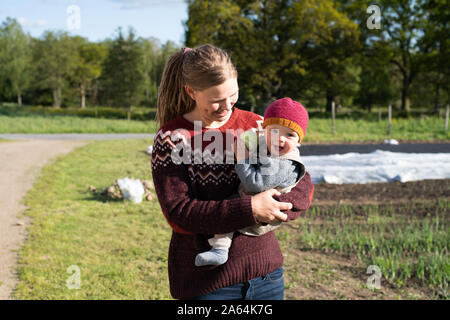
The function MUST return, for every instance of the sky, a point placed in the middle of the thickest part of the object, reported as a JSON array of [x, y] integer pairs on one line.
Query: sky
[[99, 19]]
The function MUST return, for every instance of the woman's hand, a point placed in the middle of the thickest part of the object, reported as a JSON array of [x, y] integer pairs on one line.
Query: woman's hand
[[267, 209]]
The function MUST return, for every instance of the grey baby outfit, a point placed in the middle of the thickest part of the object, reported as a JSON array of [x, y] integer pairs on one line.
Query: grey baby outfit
[[258, 173]]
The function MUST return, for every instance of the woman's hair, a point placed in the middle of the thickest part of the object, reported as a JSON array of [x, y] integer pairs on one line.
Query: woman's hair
[[200, 68]]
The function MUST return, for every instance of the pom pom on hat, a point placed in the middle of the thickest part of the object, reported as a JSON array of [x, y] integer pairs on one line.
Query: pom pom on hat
[[288, 113]]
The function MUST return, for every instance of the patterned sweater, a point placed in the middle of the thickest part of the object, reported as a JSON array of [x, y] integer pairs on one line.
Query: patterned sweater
[[192, 185]]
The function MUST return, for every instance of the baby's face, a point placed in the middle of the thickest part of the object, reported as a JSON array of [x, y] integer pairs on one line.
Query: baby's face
[[280, 139]]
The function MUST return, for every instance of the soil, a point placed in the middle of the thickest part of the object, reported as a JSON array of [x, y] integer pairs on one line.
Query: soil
[[380, 193], [330, 276]]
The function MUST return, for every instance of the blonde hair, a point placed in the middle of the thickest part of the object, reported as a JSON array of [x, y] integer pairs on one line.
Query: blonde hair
[[200, 68]]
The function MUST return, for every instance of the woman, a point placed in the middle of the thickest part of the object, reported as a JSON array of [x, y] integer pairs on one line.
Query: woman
[[196, 101]]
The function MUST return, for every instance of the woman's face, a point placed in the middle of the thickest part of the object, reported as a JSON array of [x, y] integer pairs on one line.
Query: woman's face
[[214, 105]]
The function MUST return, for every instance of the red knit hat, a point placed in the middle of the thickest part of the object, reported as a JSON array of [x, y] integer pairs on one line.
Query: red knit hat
[[288, 113]]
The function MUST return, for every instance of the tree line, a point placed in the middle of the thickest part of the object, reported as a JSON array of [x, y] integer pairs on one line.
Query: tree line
[[317, 52], [62, 70]]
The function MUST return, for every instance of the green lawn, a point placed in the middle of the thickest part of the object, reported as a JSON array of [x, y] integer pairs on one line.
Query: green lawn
[[72, 124]]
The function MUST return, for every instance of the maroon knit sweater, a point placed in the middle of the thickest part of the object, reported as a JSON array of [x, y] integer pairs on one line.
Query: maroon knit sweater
[[192, 196]]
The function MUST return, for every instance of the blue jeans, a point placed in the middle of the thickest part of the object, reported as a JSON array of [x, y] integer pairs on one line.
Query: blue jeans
[[268, 287]]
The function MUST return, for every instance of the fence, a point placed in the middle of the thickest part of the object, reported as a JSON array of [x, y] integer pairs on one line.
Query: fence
[[389, 128]]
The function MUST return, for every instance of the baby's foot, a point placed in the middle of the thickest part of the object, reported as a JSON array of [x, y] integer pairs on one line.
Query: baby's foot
[[212, 257]]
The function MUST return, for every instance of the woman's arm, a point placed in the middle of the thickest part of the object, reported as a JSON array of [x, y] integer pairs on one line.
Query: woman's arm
[[185, 212], [199, 216]]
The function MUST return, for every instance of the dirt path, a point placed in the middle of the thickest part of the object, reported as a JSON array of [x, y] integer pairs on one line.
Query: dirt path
[[20, 165]]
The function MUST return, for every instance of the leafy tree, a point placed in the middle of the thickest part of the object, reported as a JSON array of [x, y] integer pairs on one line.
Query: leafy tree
[[376, 86], [333, 51], [55, 56], [123, 77], [155, 56], [151, 51], [15, 58], [278, 46], [435, 45], [88, 66], [403, 22]]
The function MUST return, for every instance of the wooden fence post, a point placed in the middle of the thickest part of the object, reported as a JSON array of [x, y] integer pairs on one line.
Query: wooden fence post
[[446, 118], [333, 116], [389, 119]]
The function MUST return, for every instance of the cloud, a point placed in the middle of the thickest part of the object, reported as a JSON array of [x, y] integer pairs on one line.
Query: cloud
[[139, 4], [32, 24]]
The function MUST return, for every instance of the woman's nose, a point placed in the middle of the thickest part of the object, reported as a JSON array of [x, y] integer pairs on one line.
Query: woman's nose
[[228, 104]]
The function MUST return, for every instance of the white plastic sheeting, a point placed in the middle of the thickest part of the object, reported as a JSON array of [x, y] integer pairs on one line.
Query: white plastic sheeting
[[377, 166]]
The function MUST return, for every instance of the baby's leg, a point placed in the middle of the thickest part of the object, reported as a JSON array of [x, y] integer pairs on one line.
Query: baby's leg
[[218, 254]]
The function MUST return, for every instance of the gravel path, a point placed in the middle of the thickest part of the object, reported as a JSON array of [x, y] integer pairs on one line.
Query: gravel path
[[20, 165]]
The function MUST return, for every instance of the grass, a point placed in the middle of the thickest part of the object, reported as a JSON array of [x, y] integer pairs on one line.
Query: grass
[[409, 243], [121, 248], [359, 128], [350, 130], [72, 124], [29, 119]]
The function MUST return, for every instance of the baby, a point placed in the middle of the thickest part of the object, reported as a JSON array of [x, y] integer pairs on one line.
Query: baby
[[276, 165]]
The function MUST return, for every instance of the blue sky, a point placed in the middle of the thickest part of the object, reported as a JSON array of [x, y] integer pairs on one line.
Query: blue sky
[[99, 19]]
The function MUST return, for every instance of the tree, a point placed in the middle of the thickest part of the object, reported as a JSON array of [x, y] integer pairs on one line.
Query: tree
[[56, 56], [151, 52], [88, 66], [123, 77], [277, 45], [403, 22], [15, 58], [333, 51], [376, 87], [155, 56], [435, 45]]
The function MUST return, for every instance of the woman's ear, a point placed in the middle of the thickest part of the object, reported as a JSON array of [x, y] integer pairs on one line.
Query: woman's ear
[[190, 92]]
